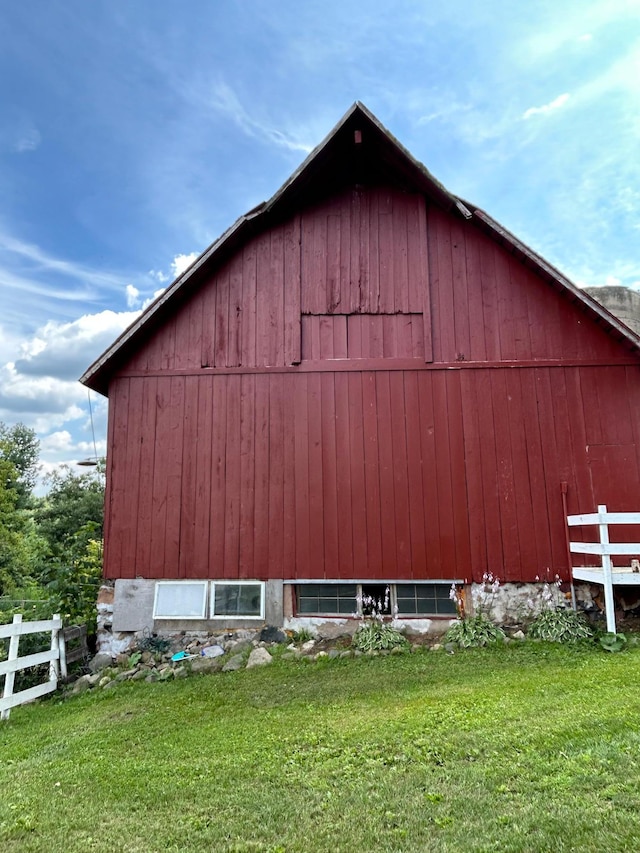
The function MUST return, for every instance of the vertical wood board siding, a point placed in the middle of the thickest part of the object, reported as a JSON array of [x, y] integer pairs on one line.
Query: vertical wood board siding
[[409, 474]]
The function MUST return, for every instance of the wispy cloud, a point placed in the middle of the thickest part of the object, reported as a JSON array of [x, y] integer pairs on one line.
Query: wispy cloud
[[224, 100], [39, 261], [556, 104], [28, 141]]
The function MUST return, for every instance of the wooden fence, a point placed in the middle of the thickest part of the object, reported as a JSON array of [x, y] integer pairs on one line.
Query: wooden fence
[[55, 656], [606, 573]]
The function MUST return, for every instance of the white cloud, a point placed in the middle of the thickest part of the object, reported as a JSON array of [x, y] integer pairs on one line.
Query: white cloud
[[158, 275], [133, 296], [153, 298], [558, 102], [64, 350], [181, 262]]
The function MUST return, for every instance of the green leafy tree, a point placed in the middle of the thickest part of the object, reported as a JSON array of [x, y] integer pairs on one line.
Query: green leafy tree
[[70, 519], [21, 548], [20, 447], [73, 502]]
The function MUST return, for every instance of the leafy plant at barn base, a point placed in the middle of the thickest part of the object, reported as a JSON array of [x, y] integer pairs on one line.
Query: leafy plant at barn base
[[472, 631], [376, 636], [559, 625], [611, 642], [479, 629]]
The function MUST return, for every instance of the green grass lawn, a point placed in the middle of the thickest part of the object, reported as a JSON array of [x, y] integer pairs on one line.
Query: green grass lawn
[[523, 748]]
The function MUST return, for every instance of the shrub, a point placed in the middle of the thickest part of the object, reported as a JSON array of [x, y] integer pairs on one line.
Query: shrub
[[476, 630], [377, 636], [559, 625]]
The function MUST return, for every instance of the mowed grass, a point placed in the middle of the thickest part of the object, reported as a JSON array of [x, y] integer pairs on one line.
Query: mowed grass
[[527, 747]]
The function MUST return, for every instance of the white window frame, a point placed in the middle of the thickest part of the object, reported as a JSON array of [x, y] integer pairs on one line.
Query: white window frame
[[212, 599], [159, 584]]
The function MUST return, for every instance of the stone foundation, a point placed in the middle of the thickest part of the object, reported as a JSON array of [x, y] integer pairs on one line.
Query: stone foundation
[[125, 613]]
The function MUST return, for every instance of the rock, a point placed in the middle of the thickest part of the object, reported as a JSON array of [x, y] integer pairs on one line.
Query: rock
[[450, 647], [436, 647], [153, 676], [125, 676], [346, 654], [110, 685], [104, 681], [146, 657], [306, 647], [271, 634], [94, 679], [259, 657], [294, 654], [122, 659], [518, 635], [234, 663], [321, 655], [101, 661], [333, 654], [82, 684], [237, 646], [206, 664], [399, 650], [140, 674], [180, 672]]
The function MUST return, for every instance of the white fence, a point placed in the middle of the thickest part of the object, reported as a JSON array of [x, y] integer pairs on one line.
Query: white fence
[[606, 573], [55, 657]]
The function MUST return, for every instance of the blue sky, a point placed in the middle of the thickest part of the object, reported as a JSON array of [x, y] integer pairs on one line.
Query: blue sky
[[133, 134]]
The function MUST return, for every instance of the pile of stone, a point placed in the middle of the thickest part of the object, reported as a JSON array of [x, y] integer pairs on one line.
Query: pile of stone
[[188, 654]]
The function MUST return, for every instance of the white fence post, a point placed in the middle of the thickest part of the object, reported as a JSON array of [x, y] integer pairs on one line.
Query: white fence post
[[9, 678], [606, 574], [54, 665], [606, 570]]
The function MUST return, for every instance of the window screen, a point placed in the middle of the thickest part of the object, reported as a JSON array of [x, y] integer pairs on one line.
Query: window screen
[[180, 600]]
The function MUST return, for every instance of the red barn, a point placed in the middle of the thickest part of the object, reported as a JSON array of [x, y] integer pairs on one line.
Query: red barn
[[366, 382]]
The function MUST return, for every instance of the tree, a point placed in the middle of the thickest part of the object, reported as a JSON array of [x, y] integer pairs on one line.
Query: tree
[[73, 504], [20, 546], [20, 447], [70, 519]]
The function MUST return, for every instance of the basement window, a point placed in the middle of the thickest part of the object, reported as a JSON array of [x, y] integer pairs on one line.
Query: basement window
[[327, 599], [180, 600], [424, 599], [237, 599], [360, 599]]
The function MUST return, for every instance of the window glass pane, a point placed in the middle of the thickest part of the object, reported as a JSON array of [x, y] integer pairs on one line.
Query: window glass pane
[[327, 598], [238, 599], [424, 599], [180, 600]]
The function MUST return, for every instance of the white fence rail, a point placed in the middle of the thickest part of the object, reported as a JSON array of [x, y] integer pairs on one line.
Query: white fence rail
[[606, 573], [54, 656]]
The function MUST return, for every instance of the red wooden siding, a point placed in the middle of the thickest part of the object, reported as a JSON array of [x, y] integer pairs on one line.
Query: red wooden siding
[[365, 391], [486, 306], [381, 474]]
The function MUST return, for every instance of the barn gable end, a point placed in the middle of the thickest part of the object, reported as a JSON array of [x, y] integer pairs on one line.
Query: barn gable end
[[365, 381]]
